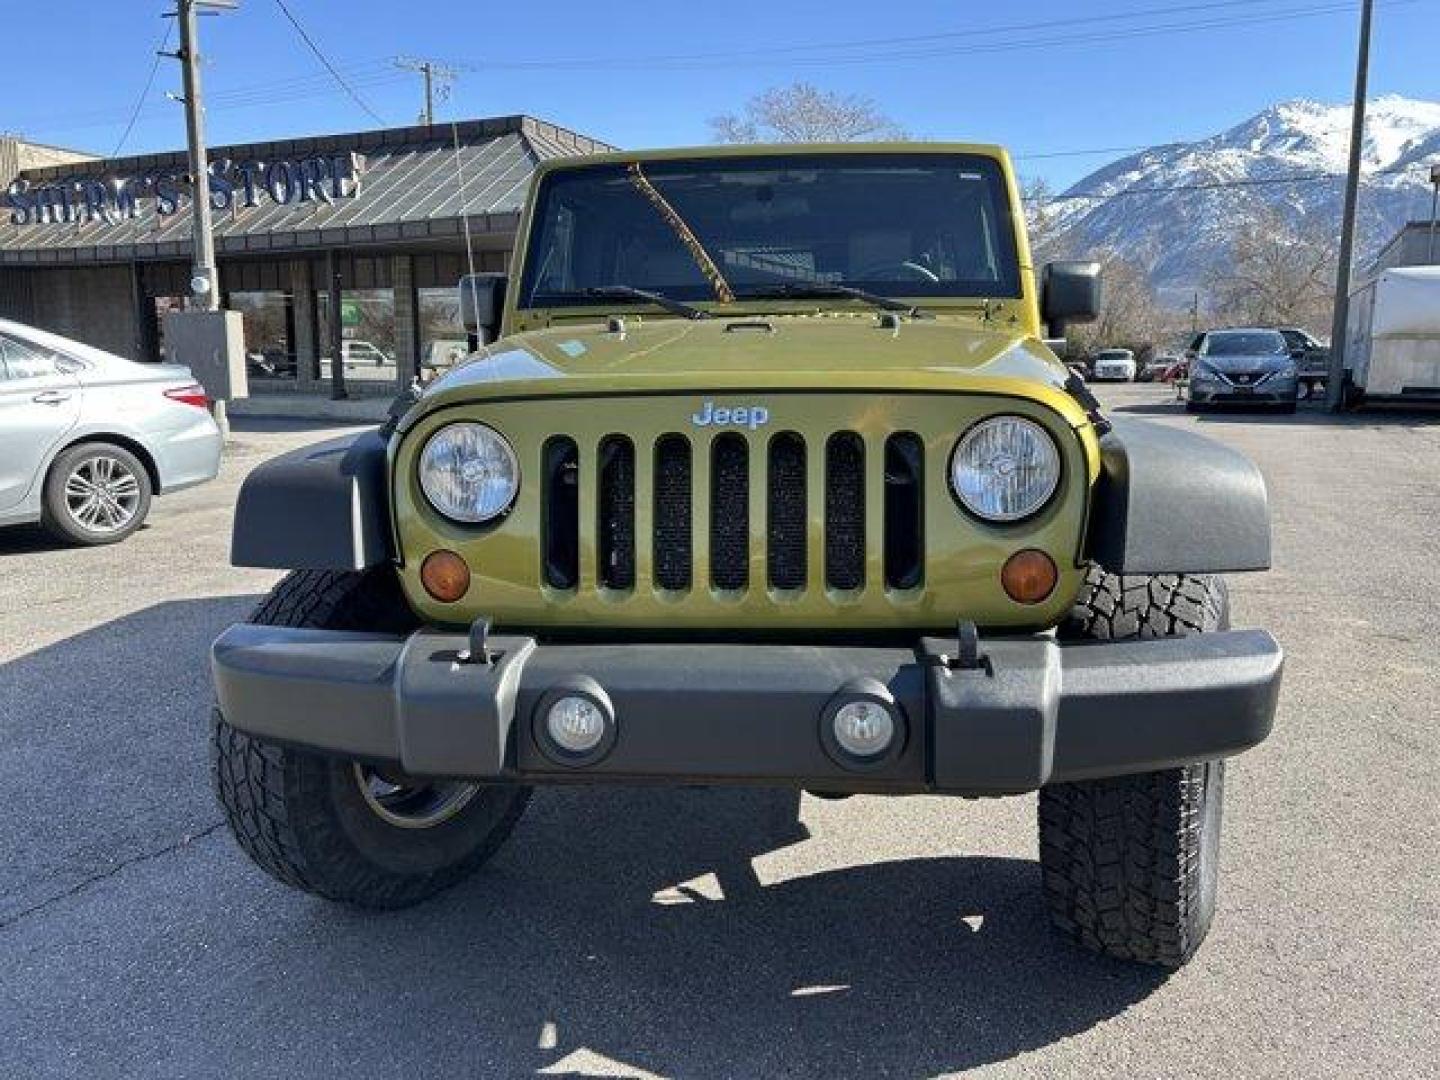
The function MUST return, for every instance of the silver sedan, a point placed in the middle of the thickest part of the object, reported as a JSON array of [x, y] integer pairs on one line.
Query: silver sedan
[[87, 437]]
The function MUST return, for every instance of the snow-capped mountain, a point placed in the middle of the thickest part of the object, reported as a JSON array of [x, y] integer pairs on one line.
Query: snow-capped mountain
[[1178, 236]]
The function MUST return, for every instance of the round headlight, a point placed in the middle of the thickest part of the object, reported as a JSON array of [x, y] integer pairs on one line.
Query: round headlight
[[469, 473], [1005, 468]]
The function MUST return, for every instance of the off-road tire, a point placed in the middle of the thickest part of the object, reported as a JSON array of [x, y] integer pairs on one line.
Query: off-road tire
[[1130, 864], [56, 515], [302, 817]]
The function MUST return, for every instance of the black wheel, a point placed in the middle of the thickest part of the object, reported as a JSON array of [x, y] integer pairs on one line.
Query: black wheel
[[1193, 406], [360, 833], [1130, 864], [95, 493]]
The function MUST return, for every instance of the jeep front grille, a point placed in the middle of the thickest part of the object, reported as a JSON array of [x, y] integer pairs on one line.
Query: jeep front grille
[[755, 538], [672, 559], [729, 512], [785, 513], [616, 538]]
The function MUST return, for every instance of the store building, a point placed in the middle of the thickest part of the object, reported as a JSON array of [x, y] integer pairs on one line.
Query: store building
[[99, 249]]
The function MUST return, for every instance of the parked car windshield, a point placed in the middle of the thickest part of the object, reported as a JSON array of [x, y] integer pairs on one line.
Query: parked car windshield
[[1244, 343], [912, 225]]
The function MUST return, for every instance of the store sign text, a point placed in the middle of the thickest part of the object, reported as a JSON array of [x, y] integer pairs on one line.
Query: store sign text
[[84, 199]]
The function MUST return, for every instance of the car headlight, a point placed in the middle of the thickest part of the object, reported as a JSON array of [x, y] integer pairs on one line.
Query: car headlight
[[469, 473], [1005, 468], [1203, 372]]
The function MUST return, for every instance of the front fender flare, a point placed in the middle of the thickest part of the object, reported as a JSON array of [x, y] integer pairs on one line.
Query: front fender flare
[[1169, 501], [322, 507]]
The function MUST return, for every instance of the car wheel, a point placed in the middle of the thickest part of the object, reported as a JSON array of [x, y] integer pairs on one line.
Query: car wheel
[[361, 833], [1130, 864], [95, 493]]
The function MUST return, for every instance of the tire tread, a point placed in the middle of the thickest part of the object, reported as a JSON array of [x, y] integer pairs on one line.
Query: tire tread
[[278, 801], [1122, 858]]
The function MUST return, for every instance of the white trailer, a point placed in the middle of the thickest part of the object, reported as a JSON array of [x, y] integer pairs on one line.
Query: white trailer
[[1392, 343]]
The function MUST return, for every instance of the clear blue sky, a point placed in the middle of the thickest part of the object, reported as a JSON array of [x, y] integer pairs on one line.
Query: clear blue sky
[[74, 69]]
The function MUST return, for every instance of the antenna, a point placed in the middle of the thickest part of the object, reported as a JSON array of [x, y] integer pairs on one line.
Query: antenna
[[464, 206], [438, 80]]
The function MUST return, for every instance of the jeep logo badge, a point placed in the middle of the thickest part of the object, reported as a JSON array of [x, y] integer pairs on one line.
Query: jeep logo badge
[[746, 416]]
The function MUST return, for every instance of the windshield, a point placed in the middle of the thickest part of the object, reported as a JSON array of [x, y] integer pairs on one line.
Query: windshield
[[1245, 343], [913, 225]]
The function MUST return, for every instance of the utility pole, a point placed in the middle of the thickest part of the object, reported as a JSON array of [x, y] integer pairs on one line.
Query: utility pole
[[1434, 210], [204, 281], [1195, 313], [1335, 380], [204, 278], [438, 79]]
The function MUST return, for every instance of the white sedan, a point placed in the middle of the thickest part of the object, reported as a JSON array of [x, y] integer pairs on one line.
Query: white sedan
[[87, 438]]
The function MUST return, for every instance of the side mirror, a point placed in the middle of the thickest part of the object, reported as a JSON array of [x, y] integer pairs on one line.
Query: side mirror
[[482, 303], [1069, 292]]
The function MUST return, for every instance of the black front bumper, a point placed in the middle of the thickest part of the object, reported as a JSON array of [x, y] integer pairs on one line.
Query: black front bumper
[[1032, 712]]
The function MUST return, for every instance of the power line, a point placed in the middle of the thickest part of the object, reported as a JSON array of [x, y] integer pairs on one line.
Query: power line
[[285, 8], [921, 46], [149, 83], [1085, 153], [870, 43]]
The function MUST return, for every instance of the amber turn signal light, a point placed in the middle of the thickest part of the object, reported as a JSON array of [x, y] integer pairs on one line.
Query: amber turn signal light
[[1029, 576], [445, 576]]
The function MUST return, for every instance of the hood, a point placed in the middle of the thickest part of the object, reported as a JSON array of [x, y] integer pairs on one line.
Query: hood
[[1248, 362], [759, 353]]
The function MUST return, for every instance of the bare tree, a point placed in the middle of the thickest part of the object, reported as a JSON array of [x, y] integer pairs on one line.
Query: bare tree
[[802, 113], [1278, 273], [1131, 315]]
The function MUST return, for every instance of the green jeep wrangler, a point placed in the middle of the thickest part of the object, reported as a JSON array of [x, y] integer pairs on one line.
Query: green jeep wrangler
[[765, 473]]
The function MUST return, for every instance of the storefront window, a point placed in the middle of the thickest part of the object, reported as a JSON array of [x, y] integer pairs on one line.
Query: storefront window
[[269, 334], [442, 338], [367, 318]]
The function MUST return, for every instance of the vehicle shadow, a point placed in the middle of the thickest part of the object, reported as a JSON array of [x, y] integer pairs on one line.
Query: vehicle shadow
[[29, 539], [629, 928], [106, 733]]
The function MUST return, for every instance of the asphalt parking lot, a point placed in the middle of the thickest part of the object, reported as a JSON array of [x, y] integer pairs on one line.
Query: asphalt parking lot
[[716, 933]]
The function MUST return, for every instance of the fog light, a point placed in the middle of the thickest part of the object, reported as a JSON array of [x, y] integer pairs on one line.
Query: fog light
[[575, 723], [864, 729], [1029, 576], [445, 575]]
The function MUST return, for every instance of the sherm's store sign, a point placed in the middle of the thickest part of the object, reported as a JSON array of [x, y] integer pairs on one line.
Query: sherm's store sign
[[113, 199]]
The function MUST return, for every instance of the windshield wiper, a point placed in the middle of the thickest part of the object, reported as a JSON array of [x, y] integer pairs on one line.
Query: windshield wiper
[[630, 292], [806, 290]]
